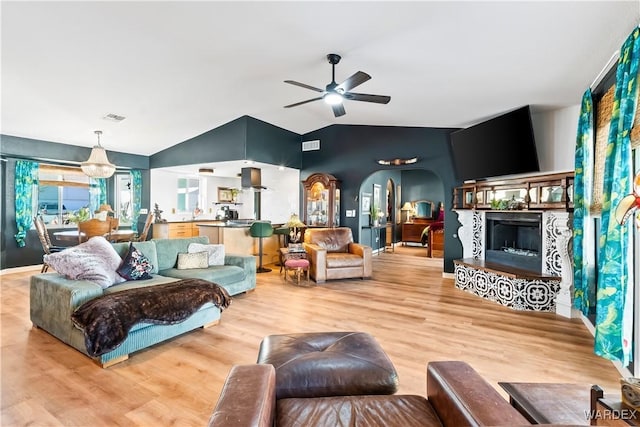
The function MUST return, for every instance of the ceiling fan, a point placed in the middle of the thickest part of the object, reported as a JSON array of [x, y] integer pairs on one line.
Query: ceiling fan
[[335, 93]]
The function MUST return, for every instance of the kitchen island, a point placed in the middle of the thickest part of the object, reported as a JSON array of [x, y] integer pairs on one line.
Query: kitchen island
[[237, 240]]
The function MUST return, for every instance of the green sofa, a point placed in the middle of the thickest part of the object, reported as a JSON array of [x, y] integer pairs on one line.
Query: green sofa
[[53, 298]]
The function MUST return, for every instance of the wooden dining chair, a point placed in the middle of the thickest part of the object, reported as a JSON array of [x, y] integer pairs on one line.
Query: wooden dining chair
[[145, 231], [93, 227], [45, 240]]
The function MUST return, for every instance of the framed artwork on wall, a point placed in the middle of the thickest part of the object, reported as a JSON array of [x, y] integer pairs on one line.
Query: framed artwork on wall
[[366, 203], [225, 195], [398, 204], [377, 202]]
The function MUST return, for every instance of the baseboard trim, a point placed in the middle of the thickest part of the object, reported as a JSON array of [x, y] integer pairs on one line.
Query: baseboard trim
[[23, 269]]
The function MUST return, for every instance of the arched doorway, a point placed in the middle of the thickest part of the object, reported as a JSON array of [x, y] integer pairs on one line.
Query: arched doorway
[[398, 187]]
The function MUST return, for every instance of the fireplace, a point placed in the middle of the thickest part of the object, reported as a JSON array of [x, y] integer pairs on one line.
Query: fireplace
[[514, 239]]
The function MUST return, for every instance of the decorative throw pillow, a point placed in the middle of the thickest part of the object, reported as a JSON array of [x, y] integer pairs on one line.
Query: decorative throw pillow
[[187, 261], [216, 252], [94, 260], [135, 266]]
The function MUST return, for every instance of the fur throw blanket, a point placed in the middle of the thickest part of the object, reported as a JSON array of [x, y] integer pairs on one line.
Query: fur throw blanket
[[106, 320]]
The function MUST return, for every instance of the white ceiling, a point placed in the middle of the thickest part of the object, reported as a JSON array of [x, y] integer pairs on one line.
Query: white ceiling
[[178, 69]]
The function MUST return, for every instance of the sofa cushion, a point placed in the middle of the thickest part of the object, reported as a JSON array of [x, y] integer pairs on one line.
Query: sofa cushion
[[147, 248], [131, 284], [190, 261], [168, 250], [94, 260], [220, 274], [396, 410], [216, 252], [343, 260], [135, 265]]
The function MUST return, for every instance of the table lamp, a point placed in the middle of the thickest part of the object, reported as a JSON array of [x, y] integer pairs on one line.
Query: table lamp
[[408, 208], [294, 224]]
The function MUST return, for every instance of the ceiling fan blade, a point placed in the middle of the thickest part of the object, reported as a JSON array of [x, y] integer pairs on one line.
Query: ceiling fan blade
[[338, 110], [378, 99], [302, 102], [353, 81], [292, 82]]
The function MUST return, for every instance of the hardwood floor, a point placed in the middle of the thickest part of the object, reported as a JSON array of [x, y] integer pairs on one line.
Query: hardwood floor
[[414, 313]]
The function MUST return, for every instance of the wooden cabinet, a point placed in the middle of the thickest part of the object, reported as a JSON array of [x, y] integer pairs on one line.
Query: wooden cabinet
[[321, 201], [611, 412], [176, 230], [412, 231]]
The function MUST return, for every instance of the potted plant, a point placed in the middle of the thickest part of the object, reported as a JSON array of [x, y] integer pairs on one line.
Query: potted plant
[[376, 215], [234, 194], [80, 215]]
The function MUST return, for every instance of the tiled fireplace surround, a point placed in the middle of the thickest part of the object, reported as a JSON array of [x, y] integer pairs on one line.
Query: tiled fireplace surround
[[519, 293]]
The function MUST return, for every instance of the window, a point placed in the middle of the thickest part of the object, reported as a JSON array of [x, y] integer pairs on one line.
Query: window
[[124, 199], [61, 191], [188, 194]]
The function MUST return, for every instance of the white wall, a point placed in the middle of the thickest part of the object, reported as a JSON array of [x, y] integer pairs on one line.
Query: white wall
[[555, 133], [279, 200]]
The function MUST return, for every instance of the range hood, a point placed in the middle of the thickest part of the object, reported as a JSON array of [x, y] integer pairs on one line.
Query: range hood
[[251, 178]]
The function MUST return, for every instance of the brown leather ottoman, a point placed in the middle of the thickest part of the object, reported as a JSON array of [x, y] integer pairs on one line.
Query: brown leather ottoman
[[328, 364]]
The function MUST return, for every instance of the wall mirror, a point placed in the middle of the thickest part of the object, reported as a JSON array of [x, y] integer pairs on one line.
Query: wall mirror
[[423, 209]]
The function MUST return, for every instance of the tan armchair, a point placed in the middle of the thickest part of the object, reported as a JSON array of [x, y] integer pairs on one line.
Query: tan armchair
[[333, 254]]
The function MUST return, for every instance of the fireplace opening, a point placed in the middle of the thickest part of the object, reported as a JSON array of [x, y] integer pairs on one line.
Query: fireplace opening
[[514, 239]]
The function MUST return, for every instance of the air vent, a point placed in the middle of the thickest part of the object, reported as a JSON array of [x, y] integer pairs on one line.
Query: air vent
[[311, 145], [114, 117]]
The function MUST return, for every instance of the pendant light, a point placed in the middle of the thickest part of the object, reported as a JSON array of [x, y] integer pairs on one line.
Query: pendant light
[[98, 165]]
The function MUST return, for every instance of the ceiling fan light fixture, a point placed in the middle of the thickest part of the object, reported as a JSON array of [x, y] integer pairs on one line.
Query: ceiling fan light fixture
[[98, 165], [332, 98]]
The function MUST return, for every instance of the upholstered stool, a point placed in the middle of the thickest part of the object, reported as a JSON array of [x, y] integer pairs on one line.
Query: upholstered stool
[[328, 364], [300, 266]]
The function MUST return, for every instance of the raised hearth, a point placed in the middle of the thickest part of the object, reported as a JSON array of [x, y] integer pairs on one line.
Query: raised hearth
[[543, 285]]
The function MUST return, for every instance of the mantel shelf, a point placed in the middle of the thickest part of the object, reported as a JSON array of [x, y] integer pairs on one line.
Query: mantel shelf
[[539, 192]]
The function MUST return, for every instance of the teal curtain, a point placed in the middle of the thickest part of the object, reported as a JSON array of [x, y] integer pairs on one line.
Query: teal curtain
[[26, 177], [97, 193], [612, 338], [136, 188], [582, 188]]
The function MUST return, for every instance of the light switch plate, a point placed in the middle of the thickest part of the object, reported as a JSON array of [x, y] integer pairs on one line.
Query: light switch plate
[[144, 211]]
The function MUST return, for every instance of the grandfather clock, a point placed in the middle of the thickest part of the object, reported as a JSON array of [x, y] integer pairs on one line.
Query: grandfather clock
[[321, 201]]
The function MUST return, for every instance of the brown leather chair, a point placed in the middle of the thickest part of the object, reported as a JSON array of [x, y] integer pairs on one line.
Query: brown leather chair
[[456, 396], [333, 254], [93, 227]]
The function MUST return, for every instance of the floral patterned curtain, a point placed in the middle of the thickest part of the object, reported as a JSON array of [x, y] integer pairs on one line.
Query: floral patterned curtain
[[26, 176], [136, 188], [613, 334], [582, 280]]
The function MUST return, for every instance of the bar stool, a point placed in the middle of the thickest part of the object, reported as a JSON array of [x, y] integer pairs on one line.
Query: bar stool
[[261, 229]]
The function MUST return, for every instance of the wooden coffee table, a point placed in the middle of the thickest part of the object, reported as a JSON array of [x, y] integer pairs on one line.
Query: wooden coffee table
[[551, 403]]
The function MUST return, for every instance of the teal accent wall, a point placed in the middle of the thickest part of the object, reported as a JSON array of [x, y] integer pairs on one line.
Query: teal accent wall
[[13, 148], [350, 153], [245, 138]]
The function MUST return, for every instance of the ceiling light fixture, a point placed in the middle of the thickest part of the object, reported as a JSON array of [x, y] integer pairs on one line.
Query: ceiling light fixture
[[206, 171], [98, 165], [332, 98], [398, 162]]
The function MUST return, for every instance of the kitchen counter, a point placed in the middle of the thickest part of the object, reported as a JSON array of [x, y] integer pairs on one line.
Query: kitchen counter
[[190, 228], [236, 239]]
